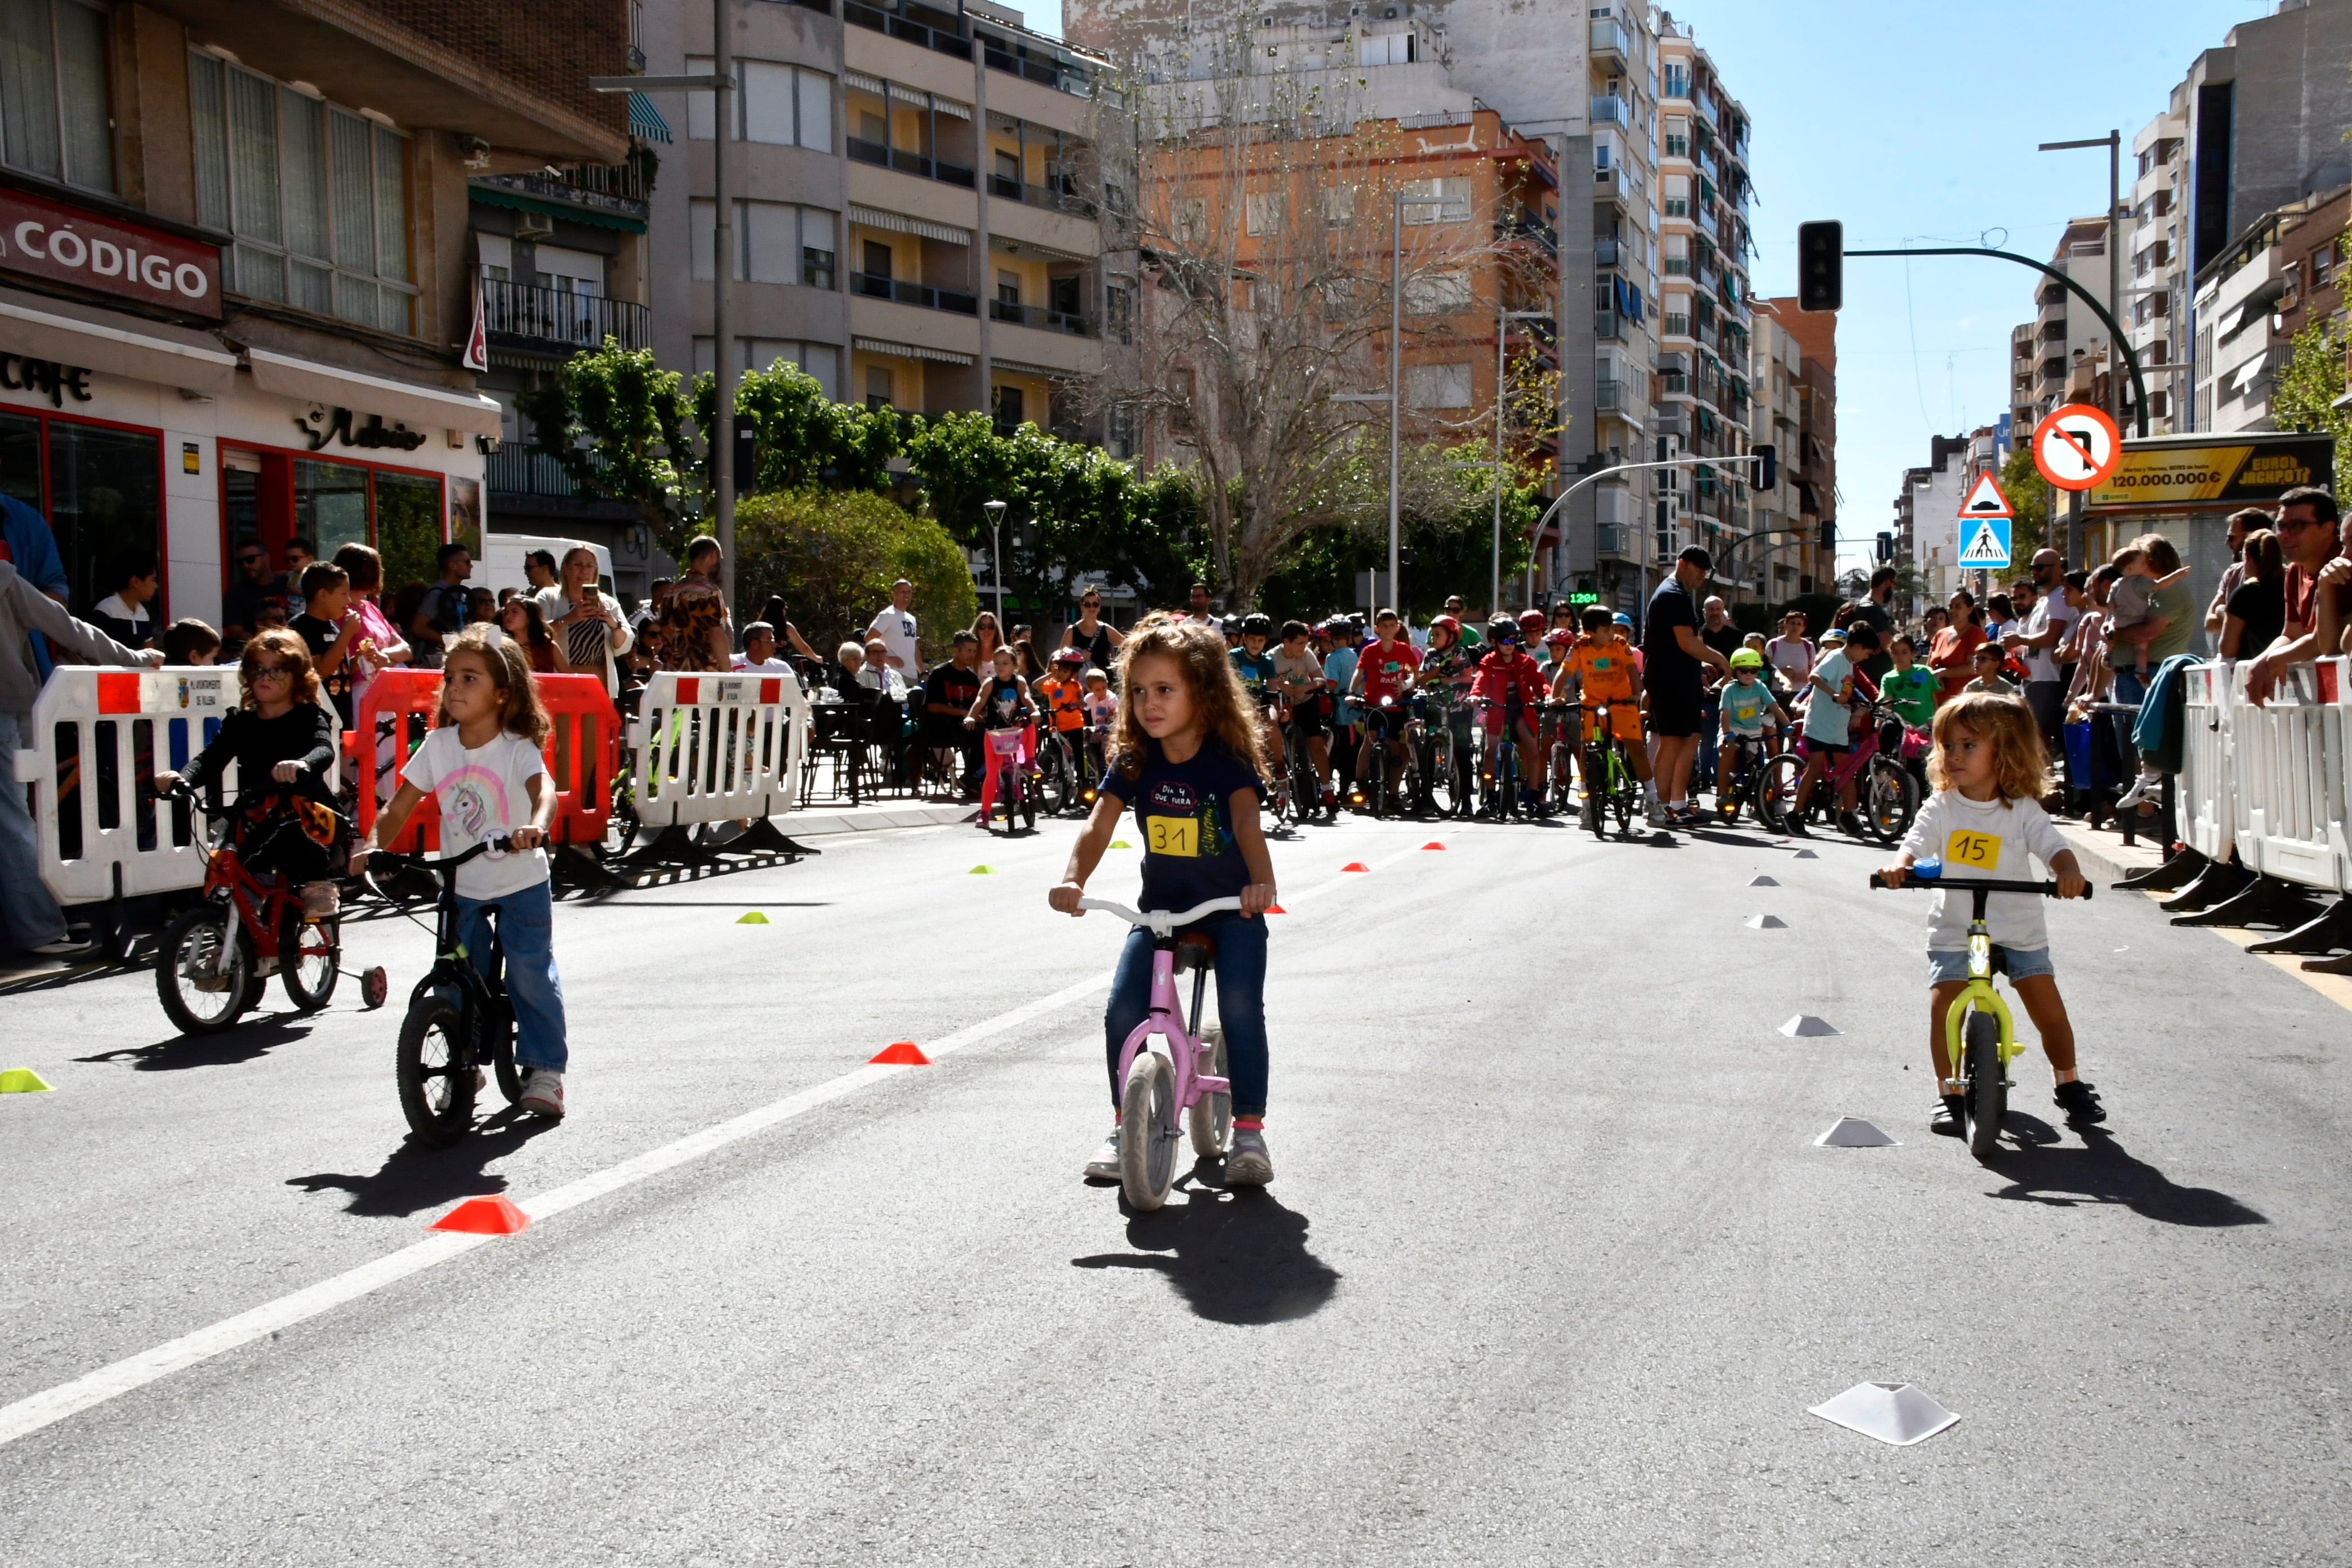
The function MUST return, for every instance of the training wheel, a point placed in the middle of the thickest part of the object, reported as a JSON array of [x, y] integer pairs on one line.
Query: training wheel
[[374, 987]]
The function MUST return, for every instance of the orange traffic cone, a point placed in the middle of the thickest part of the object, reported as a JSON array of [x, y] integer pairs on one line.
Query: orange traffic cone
[[1432, 844], [1355, 866], [492, 1215], [900, 1054]]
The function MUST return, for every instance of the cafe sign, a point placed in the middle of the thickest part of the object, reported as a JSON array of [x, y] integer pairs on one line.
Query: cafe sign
[[50, 240], [2216, 472]]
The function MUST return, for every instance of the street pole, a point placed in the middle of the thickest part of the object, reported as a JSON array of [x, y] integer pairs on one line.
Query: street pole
[[2113, 142], [995, 511], [1494, 581], [722, 274], [1396, 363]]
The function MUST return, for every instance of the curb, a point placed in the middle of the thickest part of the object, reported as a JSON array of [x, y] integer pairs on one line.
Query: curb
[[870, 819], [2106, 860]]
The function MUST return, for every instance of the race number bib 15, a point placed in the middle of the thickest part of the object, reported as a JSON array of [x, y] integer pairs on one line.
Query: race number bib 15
[[1174, 835], [1978, 851]]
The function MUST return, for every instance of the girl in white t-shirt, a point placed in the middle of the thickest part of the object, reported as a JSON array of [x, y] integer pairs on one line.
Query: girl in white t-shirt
[[482, 761], [1983, 821]]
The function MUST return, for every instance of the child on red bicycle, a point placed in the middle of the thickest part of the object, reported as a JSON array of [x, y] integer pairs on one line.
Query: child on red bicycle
[[1984, 819], [482, 760], [282, 741], [1504, 673], [1186, 757]]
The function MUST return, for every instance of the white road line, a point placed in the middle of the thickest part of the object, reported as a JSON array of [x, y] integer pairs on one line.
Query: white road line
[[35, 1410]]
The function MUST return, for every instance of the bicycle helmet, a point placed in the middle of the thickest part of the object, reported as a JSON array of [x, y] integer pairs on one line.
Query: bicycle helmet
[[1074, 656], [1559, 636], [1502, 629], [1531, 615], [1257, 624], [1747, 658], [1621, 618]]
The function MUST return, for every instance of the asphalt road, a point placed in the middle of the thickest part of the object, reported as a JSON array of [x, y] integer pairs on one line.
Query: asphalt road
[[1550, 1270]]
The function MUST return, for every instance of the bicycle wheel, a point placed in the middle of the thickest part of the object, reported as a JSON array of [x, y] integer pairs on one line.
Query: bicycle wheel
[[1211, 1118], [1376, 786], [621, 820], [1984, 1097], [1623, 793], [202, 978], [1147, 1130], [1890, 799], [1028, 805], [501, 1031], [309, 961], [1306, 795], [435, 1071], [1409, 787], [1055, 786], [1776, 791]]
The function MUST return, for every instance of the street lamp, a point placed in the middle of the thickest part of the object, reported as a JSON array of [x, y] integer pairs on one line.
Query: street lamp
[[995, 511]]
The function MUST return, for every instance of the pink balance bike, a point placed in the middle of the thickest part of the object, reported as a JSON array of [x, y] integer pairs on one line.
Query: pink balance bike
[[1186, 1074]]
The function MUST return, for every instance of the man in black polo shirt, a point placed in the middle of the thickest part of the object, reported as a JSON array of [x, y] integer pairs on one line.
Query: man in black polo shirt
[[1717, 631], [948, 692], [1871, 611], [1673, 663]]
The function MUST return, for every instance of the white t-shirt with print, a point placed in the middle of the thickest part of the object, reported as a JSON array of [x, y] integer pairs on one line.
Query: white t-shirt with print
[[481, 791], [1988, 841], [895, 628], [2050, 610]]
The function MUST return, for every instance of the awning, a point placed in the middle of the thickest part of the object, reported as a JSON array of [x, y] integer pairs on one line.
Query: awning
[[1022, 367], [908, 350], [418, 407], [162, 361], [491, 196], [645, 122], [898, 222]]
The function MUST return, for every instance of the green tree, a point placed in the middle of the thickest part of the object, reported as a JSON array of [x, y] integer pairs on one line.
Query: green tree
[[799, 436], [2029, 504], [613, 419], [1447, 533], [832, 556], [2310, 385]]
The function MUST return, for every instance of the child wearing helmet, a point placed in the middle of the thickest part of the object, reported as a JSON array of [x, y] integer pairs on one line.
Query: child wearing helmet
[[1063, 691], [1749, 714], [1254, 664], [1601, 670], [1506, 677]]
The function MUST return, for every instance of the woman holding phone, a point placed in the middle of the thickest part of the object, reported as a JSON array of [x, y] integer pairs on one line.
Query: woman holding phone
[[585, 621]]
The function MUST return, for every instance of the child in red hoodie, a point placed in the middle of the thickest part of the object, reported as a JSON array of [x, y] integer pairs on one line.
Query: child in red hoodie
[[1515, 683]]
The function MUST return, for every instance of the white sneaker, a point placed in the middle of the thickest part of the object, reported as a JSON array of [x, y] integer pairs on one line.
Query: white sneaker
[[1658, 817], [1247, 1165], [2142, 787], [1104, 1164], [542, 1094]]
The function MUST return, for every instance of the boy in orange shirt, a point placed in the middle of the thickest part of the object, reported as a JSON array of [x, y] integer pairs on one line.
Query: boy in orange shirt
[[1599, 669]]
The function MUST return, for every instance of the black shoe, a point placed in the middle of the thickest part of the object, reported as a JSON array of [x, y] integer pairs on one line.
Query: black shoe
[[1946, 1123], [2081, 1103]]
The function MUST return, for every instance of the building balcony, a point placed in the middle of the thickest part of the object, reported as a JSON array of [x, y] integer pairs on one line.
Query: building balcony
[[900, 21], [1610, 40], [1608, 110], [870, 285], [907, 162], [1605, 253], [1608, 394], [516, 469], [1610, 326], [617, 190], [1016, 59], [555, 322], [1062, 199], [1530, 230], [1043, 319]]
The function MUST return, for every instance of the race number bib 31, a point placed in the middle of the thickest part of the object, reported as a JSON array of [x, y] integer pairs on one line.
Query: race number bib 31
[[1174, 835], [1977, 851]]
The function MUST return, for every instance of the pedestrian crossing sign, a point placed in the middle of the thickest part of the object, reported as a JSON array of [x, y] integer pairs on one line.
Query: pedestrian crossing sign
[[1988, 543]]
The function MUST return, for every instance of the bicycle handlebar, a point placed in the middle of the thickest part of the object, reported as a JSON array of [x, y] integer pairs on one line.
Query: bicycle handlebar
[[1162, 922], [1912, 879], [500, 842]]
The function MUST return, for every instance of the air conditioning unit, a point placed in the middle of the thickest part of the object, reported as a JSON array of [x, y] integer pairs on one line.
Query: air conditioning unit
[[533, 226]]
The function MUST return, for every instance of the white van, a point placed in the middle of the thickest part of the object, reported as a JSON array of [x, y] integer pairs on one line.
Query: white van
[[502, 558]]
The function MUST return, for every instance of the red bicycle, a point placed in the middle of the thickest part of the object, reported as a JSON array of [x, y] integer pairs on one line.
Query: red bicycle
[[214, 961]]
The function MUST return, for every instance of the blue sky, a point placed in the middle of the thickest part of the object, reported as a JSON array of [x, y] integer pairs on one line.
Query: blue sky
[[1916, 124]]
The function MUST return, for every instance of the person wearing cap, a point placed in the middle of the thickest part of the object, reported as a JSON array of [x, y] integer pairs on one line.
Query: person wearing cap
[[1747, 713], [1673, 659]]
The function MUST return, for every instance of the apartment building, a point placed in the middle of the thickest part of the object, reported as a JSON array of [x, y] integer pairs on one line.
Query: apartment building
[[2156, 293], [2066, 338], [2279, 277], [1771, 567], [916, 193], [1809, 470], [239, 283], [1706, 317], [1927, 511]]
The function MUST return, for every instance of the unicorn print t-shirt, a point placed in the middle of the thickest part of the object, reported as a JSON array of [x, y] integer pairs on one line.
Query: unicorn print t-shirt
[[482, 792]]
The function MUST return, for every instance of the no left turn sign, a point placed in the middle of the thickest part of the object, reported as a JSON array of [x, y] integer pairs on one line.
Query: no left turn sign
[[2076, 447]]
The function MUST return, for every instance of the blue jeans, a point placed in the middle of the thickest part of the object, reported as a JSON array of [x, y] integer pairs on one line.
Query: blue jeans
[[28, 916], [2128, 687], [1241, 1002], [526, 933], [1710, 719]]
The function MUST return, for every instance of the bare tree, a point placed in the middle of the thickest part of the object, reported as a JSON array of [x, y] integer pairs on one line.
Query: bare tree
[[1264, 222]]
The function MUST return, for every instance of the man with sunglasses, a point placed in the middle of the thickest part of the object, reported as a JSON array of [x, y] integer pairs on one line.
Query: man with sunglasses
[[2036, 642], [2315, 577], [255, 588]]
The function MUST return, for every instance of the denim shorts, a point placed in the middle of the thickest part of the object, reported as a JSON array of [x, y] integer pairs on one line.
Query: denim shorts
[[2017, 962]]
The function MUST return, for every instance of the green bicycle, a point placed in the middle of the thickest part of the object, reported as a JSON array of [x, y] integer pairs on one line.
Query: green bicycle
[[1609, 787], [1980, 1042]]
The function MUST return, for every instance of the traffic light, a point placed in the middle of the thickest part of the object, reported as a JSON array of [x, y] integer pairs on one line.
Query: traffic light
[[1829, 534], [1821, 266], [1595, 464], [1767, 466], [1886, 548]]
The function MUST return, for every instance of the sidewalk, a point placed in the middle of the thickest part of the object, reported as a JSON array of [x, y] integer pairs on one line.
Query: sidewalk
[[2107, 858], [822, 820]]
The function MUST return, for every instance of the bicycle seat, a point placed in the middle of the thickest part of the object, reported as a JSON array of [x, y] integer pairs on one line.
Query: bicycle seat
[[1194, 949]]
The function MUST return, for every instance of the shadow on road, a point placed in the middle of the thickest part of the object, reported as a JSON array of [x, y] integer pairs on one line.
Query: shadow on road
[[242, 1044], [2047, 1171], [417, 1178], [1236, 1256]]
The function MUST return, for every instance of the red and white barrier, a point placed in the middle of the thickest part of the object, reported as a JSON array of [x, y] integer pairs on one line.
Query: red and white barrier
[[716, 748], [2208, 805], [2289, 780]]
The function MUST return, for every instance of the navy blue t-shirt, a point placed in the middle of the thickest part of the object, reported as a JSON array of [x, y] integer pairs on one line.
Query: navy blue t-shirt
[[1189, 854]]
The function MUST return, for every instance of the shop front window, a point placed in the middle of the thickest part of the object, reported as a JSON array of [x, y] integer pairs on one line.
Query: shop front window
[[331, 504], [408, 526], [102, 491], [269, 496]]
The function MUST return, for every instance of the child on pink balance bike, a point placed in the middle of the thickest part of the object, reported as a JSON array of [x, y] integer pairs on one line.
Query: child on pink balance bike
[[1185, 756]]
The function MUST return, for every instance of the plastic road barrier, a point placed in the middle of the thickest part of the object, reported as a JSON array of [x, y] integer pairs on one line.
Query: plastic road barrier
[[583, 752], [716, 748], [2288, 756], [387, 726], [2208, 796], [96, 739]]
